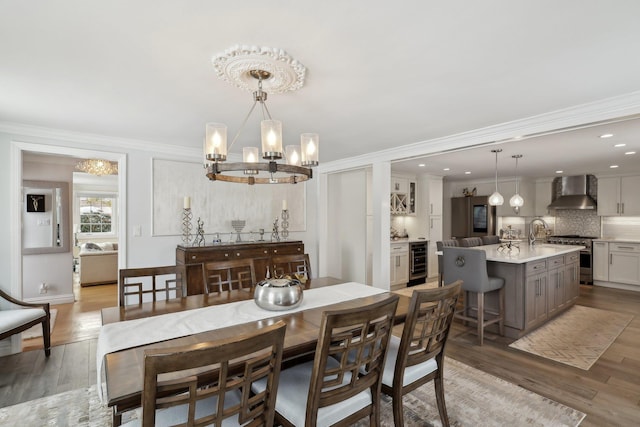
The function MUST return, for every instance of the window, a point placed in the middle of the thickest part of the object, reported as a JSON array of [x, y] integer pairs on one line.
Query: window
[[96, 213]]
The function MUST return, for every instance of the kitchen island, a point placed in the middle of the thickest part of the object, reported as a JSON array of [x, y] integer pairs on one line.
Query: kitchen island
[[541, 281]]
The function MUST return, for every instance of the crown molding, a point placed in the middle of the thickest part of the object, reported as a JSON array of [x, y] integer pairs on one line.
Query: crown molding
[[608, 109], [98, 142]]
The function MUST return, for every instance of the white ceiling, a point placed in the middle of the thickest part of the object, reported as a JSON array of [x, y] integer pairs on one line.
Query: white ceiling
[[379, 74]]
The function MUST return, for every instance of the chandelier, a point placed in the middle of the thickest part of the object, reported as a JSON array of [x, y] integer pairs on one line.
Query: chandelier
[[98, 167], [274, 67]]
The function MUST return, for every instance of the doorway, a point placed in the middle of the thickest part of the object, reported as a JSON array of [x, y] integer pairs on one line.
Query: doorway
[[19, 151]]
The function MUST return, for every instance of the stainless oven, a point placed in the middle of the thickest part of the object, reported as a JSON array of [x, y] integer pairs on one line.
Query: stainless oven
[[417, 263]]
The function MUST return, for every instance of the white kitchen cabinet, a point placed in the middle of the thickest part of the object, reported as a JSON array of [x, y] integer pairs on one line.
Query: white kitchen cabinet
[[618, 196], [435, 196], [403, 196], [399, 264], [624, 263], [435, 235], [399, 184], [600, 261], [543, 193]]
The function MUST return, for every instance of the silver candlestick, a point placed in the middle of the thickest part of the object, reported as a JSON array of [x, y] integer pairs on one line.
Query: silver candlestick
[[285, 224], [187, 216]]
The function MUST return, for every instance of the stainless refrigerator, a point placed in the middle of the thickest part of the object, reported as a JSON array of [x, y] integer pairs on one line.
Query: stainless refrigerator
[[472, 217]]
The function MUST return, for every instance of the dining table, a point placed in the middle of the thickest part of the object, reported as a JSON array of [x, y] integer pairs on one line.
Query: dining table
[[123, 367]]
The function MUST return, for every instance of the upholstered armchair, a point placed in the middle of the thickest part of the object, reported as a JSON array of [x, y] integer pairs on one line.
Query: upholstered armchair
[[17, 319]]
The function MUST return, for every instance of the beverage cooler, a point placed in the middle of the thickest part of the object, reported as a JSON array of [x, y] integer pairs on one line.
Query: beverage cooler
[[472, 217]]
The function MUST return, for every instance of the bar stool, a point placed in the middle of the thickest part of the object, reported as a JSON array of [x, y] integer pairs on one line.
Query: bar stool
[[470, 266], [439, 246], [469, 242]]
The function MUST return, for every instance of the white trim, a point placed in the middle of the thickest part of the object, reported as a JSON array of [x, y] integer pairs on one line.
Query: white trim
[[57, 299], [99, 141], [615, 285]]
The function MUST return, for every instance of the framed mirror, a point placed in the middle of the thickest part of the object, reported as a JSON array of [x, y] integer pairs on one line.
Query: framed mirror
[[45, 217]]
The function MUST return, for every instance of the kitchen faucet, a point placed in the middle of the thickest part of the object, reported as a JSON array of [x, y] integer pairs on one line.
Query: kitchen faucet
[[532, 233]]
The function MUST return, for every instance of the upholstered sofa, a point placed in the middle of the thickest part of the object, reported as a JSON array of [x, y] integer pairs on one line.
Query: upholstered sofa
[[98, 263]]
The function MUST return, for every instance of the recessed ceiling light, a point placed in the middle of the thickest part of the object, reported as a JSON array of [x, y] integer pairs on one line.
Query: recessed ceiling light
[[620, 145], [421, 165], [446, 169], [559, 171], [467, 172], [628, 153], [613, 166], [606, 135]]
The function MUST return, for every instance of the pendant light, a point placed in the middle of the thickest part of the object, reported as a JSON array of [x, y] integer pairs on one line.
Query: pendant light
[[496, 198], [516, 200]]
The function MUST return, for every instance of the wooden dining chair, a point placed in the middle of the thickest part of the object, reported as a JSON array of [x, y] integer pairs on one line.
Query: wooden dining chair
[[295, 265], [331, 390], [234, 274], [221, 390], [418, 356], [159, 283], [24, 316]]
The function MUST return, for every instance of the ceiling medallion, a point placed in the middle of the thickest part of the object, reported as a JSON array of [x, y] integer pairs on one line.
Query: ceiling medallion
[[235, 64]]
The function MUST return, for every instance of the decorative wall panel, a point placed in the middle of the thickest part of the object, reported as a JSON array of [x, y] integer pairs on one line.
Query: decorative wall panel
[[218, 203]]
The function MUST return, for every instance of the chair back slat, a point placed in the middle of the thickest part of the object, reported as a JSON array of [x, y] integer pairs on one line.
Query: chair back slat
[[221, 387], [150, 284], [232, 274], [427, 325], [358, 340], [296, 266]]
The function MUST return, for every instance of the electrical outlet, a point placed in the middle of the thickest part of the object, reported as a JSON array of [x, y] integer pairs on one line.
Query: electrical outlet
[[43, 288]]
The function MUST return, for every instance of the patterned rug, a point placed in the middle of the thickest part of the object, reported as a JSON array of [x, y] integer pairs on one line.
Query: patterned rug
[[577, 337], [474, 398], [36, 330]]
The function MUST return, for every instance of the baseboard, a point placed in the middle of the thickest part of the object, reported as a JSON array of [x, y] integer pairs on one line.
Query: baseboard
[[53, 299], [616, 285]]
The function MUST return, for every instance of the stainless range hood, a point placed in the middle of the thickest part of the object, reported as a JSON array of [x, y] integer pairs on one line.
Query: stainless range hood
[[574, 193]]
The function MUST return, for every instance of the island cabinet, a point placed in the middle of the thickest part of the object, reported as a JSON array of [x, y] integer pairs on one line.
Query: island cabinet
[[536, 286], [193, 258], [535, 290]]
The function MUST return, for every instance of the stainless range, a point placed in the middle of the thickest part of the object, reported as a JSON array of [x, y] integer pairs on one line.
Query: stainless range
[[586, 255]]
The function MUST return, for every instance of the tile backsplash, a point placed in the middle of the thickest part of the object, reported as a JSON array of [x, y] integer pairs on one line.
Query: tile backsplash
[[580, 222]]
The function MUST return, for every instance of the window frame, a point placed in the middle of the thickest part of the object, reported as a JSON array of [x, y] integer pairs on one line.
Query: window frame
[[114, 214]]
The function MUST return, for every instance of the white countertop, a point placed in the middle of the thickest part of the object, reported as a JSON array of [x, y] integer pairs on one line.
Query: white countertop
[[617, 240], [408, 240], [527, 253]]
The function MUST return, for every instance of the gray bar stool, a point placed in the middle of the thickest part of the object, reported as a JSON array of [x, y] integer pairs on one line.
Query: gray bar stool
[[439, 246], [470, 266]]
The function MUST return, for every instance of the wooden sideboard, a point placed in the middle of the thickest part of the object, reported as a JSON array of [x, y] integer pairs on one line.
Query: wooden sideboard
[[194, 257]]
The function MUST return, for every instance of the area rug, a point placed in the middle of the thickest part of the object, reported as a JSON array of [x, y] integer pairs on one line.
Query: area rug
[[474, 398], [577, 337], [36, 330]]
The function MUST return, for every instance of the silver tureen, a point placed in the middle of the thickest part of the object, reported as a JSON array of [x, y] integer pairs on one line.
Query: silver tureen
[[278, 294]]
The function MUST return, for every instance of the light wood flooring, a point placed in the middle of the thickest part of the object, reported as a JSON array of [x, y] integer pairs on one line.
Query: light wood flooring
[[609, 392]]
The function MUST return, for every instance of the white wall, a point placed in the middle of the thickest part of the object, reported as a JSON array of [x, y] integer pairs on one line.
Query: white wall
[[347, 244]]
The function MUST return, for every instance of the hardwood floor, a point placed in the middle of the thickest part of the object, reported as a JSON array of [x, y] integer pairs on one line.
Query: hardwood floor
[[609, 393], [80, 320]]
